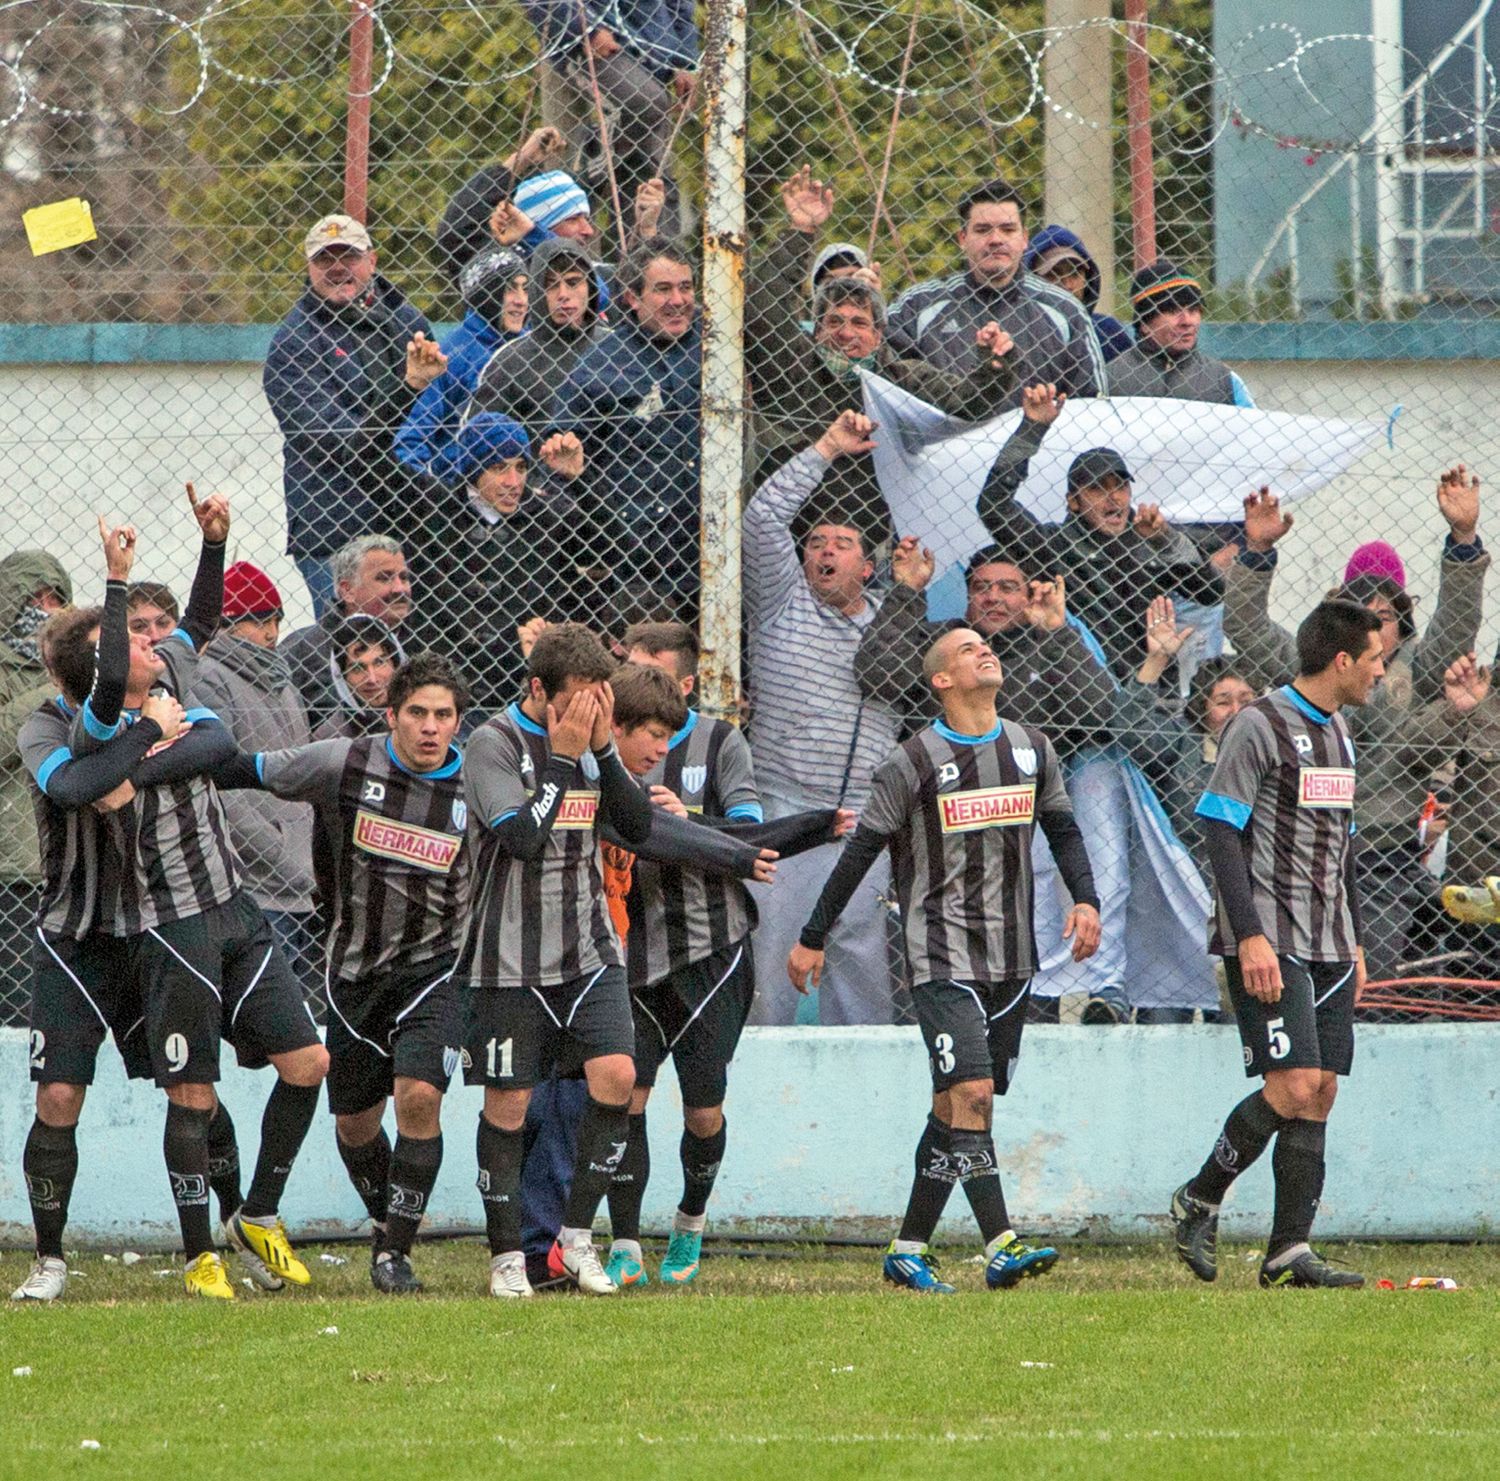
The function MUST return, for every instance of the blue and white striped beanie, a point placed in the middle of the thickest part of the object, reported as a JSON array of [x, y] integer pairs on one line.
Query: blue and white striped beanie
[[550, 198]]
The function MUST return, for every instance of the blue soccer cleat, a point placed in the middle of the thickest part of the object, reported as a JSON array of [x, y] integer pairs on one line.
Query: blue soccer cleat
[[913, 1272], [684, 1251], [1013, 1261]]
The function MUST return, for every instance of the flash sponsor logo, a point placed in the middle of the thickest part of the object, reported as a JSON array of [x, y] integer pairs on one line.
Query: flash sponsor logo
[[1326, 787], [577, 810], [987, 807], [422, 847]]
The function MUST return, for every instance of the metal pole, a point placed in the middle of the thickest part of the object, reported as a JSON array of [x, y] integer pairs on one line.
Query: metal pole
[[1138, 112], [1389, 114], [357, 128], [724, 71]]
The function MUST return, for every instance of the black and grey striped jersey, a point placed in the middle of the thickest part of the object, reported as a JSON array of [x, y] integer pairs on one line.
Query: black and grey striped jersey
[[540, 921], [958, 813], [1284, 778], [679, 915], [398, 847], [171, 844]]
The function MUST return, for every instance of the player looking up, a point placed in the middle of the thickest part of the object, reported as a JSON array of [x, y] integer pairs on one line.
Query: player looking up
[[957, 805], [1278, 824]]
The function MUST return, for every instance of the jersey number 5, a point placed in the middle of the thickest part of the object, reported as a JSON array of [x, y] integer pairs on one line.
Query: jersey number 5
[[1281, 1044]]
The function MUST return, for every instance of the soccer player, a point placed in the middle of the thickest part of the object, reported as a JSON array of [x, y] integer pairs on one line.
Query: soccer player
[[957, 805], [391, 810], [82, 985], [541, 963], [199, 945], [1278, 824]]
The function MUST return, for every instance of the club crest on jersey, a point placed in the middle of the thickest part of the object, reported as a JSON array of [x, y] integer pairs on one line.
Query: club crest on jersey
[[459, 815], [373, 791], [451, 1058], [693, 778], [1025, 760], [1325, 787], [424, 848], [987, 807], [947, 774]]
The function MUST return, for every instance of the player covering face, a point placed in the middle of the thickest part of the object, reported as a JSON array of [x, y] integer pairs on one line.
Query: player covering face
[[956, 805]]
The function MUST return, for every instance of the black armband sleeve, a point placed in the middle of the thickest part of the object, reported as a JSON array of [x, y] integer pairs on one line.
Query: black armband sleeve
[[1225, 846], [524, 832], [788, 836], [85, 779], [1071, 855], [112, 666], [197, 750], [238, 773], [200, 619], [1351, 887], [623, 803], [689, 843], [854, 863]]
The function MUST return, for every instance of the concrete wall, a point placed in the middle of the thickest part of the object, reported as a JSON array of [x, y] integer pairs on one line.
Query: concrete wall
[[1101, 1126]]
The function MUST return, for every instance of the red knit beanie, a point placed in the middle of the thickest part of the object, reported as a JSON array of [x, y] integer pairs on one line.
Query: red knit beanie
[[249, 592]]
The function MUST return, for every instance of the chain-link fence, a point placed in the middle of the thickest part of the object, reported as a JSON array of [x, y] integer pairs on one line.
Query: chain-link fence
[[1096, 280]]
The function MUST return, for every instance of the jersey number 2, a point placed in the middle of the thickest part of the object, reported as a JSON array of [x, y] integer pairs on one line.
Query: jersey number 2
[[497, 1059]]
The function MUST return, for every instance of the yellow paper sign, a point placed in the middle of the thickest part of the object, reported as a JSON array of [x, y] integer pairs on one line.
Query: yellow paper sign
[[61, 224]]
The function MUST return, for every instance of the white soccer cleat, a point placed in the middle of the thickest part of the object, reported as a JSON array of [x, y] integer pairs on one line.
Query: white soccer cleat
[[46, 1282], [581, 1260], [508, 1276]]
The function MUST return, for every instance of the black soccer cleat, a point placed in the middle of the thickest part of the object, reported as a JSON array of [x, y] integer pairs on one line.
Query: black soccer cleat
[[1310, 1271], [392, 1274], [1196, 1228]]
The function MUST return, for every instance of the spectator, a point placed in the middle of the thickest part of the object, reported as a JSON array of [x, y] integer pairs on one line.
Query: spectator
[[245, 681], [1414, 720], [33, 585], [369, 577], [152, 610], [633, 401], [516, 549], [521, 379], [1052, 331], [1112, 556], [366, 657], [343, 371], [815, 738], [1059, 256], [465, 229], [643, 64], [1166, 360], [494, 287]]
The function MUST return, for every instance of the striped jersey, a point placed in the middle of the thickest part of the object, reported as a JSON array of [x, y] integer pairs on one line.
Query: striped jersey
[[533, 922], [169, 855], [397, 844], [958, 813], [69, 837], [679, 915], [1285, 779]]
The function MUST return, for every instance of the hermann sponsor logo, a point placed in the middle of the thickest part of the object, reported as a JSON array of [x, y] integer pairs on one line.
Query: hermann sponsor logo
[[987, 807], [1326, 786], [422, 847], [577, 810]]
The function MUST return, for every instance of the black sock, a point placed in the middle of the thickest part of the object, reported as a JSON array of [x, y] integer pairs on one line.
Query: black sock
[[628, 1186], [603, 1134], [500, 1155], [185, 1147], [50, 1163], [369, 1169], [974, 1156], [701, 1156], [932, 1183], [1247, 1133], [414, 1169], [224, 1162], [1298, 1165], [283, 1129]]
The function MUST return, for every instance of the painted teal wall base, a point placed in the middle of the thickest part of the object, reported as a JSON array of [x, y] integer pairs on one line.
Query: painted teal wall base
[[1101, 1125]]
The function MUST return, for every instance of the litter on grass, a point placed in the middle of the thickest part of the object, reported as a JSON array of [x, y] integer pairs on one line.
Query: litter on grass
[[1026, 1364], [329, 1332], [333, 1259], [130, 1258], [24, 1372], [88, 1445]]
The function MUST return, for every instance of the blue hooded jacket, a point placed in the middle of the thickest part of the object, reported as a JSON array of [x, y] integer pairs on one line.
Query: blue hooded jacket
[[1114, 337]]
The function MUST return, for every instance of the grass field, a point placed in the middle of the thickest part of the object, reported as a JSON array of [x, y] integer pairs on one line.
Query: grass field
[[792, 1363]]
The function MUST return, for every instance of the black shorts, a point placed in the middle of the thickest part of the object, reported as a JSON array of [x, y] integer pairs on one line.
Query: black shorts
[[78, 990], [403, 1023], [696, 1016], [972, 1030], [1311, 1025], [513, 1036], [218, 974]]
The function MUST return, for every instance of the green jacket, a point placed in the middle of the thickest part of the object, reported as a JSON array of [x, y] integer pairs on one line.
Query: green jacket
[[23, 686]]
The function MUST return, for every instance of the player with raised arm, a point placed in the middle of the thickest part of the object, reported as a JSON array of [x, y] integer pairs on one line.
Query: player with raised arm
[[392, 814], [957, 805], [200, 946], [541, 965], [1278, 824]]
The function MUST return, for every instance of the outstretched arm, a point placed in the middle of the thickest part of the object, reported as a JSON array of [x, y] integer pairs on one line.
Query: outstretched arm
[[200, 619]]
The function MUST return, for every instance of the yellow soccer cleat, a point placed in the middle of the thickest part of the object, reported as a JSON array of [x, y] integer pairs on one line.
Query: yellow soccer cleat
[[206, 1276], [269, 1245], [1474, 905]]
